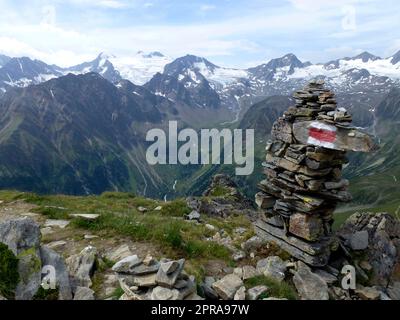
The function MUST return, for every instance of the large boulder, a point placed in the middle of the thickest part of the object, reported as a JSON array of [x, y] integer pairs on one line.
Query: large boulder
[[378, 238], [227, 286], [81, 266], [22, 236], [309, 285]]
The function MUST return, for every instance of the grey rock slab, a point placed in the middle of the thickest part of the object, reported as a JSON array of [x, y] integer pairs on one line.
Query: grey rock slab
[[83, 293], [143, 269], [187, 290], [309, 285], [255, 292], [194, 215], [85, 216], [148, 280], [127, 264], [394, 291], [328, 277], [207, 289], [81, 266], [359, 240], [249, 272], [273, 267], [227, 286], [168, 280], [240, 294], [162, 293], [119, 253], [22, 236], [56, 223], [169, 267], [56, 244]]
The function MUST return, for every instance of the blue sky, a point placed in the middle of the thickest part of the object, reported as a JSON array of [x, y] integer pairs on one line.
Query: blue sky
[[228, 32]]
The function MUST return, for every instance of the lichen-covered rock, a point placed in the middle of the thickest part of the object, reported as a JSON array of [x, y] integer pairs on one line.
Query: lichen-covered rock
[[227, 286], [383, 249], [273, 267], [81, 266], [22, 237], [309, 285]]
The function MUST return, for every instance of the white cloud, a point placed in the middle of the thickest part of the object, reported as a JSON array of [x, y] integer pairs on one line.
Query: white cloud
[[251, 34], [207, 7], [112, 4]]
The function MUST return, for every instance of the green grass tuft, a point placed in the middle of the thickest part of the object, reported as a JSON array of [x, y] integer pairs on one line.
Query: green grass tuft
[[117, 195], [52, 213], [276, 289], [176, 208]]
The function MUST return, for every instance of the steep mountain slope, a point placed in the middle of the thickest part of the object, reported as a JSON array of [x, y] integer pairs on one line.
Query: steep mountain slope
[[259, 117], [3, 60], [182, 81], [376, 176], [78, 135], [21, 72]]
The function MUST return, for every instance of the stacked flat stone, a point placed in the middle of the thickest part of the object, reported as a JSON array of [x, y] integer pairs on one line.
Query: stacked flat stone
[[303, 172]]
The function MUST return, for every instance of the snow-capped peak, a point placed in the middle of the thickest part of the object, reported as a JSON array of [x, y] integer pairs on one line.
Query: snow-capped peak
[[365, 57], [105, 56], [140, 67]]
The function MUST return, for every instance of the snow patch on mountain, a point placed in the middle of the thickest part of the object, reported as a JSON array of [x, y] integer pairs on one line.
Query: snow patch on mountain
[[223, 76], [378, 67], [141, 67]]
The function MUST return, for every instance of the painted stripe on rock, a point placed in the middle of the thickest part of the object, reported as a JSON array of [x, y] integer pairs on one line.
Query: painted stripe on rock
[[322, 134]]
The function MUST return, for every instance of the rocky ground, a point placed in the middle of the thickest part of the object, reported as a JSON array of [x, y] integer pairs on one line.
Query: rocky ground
[[117, 246]]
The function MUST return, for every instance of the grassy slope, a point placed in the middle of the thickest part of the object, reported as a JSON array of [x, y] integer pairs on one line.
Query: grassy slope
[[119, 215]]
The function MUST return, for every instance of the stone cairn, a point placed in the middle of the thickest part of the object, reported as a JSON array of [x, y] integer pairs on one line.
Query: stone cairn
[[303, 171]]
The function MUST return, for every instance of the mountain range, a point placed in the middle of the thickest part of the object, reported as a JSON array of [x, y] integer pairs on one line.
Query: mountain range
[[81, 129]]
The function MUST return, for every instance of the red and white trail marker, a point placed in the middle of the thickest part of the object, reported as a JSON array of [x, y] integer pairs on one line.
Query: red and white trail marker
[[322, 135], [318, 133]]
